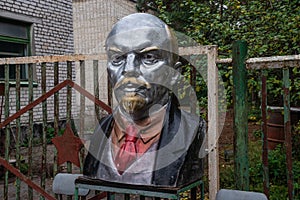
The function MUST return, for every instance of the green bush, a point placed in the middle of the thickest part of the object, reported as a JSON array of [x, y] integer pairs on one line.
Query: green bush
[[51, 134], [271, 28], [277, 172]]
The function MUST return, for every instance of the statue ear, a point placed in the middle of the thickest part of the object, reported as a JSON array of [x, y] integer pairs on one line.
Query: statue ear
[[176, 73], [177, 65]]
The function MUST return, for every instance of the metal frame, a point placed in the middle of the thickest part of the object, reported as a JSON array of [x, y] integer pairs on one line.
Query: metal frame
[[143, 192], [32, 61], [284, 63]]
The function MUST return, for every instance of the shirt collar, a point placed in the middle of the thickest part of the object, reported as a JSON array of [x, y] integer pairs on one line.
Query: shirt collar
[[148, 129]]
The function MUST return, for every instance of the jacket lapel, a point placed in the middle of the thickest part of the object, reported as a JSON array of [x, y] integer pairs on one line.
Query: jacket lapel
[[177, 135]]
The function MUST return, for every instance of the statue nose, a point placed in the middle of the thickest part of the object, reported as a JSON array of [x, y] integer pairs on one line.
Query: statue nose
[[131, 67]]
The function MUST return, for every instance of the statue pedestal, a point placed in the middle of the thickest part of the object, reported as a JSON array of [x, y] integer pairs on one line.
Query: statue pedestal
[[142, 190]]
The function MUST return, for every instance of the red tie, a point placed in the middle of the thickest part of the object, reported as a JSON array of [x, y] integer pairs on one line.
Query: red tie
[[127, 153]]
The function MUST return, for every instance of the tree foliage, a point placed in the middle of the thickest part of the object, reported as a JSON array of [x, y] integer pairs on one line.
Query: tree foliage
[[270, 27]]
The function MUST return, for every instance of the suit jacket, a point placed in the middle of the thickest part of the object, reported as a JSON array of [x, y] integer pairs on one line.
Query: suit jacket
[[178, 160]]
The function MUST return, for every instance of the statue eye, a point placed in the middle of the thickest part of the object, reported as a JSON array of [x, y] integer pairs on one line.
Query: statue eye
[[117, 59], [151, 58]]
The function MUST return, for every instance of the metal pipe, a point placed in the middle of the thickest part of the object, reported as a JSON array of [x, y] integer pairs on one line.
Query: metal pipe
[[7, 132], [82, 110], [96, 88], [56, 114], [264, 134], [240, 115], [288, 132], [30, 127], [69, 109], [44, 132], [18, 128]]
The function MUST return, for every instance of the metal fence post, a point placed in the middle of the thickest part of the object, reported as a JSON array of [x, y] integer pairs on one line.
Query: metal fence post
[[30, 129], [265, 152], [288, 132], [18, 129], [241, 166], [7, 131], [44, 132]]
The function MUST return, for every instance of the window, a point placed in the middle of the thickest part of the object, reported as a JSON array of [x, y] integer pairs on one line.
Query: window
[[14, 42]]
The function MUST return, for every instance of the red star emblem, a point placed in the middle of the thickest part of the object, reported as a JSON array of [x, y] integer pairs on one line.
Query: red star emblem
[[68, 147]]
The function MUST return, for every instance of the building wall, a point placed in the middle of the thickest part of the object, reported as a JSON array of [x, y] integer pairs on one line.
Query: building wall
[[52, 34], [52, 23], [93, 19]]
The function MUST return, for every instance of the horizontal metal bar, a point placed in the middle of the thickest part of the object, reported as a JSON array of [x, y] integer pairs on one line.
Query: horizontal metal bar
[[127, 191], [252, 63], [224, 60], [51, 58], [273, 62], [78, 57], [267, 62], [195, 184], [13, 39], [22, 83], [196, 50]]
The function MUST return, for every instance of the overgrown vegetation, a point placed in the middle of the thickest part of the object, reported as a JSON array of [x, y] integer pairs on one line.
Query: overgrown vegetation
[[277, 172], [270, 28]]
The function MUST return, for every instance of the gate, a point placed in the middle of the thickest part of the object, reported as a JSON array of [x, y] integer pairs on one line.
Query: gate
[[241, 65], [57, 101], [284, 63], [53, 102], [56, 85]]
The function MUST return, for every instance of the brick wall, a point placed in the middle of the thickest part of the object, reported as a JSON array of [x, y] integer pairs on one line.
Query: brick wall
[[53, 30], [93, 19], [52, 34]]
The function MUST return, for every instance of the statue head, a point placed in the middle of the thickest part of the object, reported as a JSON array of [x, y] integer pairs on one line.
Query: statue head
[[142, 54]]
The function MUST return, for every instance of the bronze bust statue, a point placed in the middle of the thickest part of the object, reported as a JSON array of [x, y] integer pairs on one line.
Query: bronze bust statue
[[148, 139]]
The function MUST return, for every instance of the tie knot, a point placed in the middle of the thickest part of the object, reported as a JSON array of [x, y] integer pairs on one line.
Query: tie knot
[[131, 134]]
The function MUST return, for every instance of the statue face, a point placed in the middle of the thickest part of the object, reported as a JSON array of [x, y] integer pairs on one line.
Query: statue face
[[139, 58]]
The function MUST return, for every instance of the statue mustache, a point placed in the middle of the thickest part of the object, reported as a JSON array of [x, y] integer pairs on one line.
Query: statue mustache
[[134, 81]]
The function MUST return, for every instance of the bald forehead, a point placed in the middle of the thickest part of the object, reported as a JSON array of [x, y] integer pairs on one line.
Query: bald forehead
[[137, 21], [140, 30], [138, 39]]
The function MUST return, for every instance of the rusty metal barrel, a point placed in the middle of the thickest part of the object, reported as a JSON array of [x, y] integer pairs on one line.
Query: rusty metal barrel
[[275, 125]]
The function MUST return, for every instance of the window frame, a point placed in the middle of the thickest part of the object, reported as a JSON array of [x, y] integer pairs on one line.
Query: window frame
[[27, 51]]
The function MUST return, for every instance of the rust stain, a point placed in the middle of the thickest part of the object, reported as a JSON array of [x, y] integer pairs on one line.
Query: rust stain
[[50, 93], [25, 179], [68, 147], [265, 137]]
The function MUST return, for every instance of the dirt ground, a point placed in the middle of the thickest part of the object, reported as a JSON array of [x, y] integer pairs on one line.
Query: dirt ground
[[225, 144], [226, 138]]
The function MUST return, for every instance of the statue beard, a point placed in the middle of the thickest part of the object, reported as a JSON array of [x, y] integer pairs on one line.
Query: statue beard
[[133, 103]]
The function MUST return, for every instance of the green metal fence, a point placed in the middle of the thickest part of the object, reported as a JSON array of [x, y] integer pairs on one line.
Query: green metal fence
[[285, 63], [53, 94], [54, 90], [47, 97], [240, 67]]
